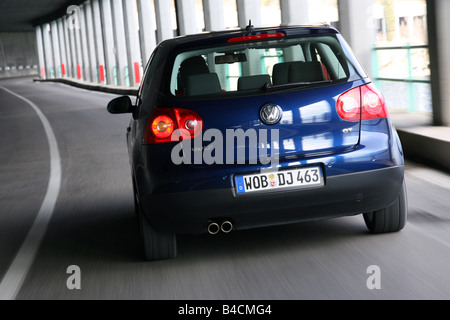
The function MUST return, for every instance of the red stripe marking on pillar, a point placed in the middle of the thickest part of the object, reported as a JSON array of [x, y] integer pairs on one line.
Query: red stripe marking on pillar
[[137, 72], [43, 72], [63, 69], [101, 70], [79, 71]]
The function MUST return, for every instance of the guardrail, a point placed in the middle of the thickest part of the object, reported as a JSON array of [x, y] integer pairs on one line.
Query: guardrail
[[410, 79], [18, 71]]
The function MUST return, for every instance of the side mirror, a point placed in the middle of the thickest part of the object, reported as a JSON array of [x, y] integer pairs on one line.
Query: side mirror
[[121, 105]]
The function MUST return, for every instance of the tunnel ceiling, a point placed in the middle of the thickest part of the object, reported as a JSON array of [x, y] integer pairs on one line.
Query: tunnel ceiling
[[22, 15]]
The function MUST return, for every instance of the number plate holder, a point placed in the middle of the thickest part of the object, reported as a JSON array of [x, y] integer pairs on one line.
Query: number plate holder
[[275, 181]]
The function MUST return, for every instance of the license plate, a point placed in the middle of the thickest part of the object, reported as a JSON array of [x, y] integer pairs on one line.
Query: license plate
[[280, 180]]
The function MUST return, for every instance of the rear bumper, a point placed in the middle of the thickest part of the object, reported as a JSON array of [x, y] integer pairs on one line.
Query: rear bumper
[[343, 195]]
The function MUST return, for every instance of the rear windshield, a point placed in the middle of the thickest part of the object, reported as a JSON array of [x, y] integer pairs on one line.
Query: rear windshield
[[244, 68]]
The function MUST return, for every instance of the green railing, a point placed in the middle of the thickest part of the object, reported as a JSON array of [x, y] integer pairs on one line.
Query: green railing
[[127, 76], [52, 73], [410, 80], [116, 76]]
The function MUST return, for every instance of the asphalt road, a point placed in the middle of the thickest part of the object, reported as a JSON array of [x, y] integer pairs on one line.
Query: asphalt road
[[93, 224]]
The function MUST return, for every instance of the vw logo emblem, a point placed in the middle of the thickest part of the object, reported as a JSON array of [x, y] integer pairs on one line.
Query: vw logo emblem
[[271, 114]]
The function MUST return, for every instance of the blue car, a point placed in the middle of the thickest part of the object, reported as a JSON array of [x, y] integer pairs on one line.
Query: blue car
[[258, 127]]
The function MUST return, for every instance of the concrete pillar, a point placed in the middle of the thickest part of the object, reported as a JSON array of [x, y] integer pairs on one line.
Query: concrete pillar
[[187, 23], [294, 12], [98, 36], [69, 51], [147, 32], [62, 47], [86, 65], [79, 54], [249, 10], [48, 51], [108, 37], [132, 40], [56, 50], [213, 12], [163, 20], [438, 24], [120, 43], [356, 25], [214, 15], [40, 52], [92, 52], [72, 22], [73, 51]]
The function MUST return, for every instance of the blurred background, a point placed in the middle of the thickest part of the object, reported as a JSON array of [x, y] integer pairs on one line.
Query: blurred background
[[103, 46], [85, 41], [400, 60]]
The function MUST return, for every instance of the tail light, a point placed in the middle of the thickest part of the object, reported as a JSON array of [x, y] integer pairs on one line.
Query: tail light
[[362, 103], [171, 125], [189, 123], [263, 36]]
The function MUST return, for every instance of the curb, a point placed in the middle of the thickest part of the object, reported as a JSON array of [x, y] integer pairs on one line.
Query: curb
[[125, 91], [426, 147]]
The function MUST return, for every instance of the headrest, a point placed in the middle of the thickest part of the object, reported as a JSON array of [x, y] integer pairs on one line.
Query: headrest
[[191, 66], [199, 84], [253, 82], [305, 72]]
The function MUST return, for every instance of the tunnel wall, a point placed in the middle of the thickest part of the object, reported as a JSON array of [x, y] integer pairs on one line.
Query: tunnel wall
[[18, 55]]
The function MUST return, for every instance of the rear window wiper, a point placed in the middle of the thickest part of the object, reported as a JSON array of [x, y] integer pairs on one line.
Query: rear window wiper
[[269, 88]]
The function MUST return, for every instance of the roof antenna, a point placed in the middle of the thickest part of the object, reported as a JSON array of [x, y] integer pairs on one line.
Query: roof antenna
[[250, 27]]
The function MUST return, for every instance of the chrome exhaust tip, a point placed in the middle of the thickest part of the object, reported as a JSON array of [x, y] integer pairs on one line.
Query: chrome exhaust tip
[[213, 228], [226, 227]]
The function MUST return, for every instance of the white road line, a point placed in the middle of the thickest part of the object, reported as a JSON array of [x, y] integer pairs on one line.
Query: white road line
[[18, 270]]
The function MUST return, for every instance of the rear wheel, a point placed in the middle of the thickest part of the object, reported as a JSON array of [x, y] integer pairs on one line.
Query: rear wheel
[[390, 219], [157, 245]]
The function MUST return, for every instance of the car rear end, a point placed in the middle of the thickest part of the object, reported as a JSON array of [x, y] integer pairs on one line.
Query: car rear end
[[256, 128]]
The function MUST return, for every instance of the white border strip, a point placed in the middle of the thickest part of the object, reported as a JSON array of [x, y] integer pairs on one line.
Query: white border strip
[[18, 270]]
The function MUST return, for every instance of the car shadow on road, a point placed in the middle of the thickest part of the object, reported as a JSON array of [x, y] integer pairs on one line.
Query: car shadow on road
[[112, 235], [283, 239]]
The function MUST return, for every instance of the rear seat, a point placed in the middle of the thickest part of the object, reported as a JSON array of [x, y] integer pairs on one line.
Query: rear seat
[[290, 72], [206, 83], [253, 82], [305, 72], [280, 74]]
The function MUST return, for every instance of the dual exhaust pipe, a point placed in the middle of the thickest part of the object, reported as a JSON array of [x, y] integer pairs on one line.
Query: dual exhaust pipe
[[215, 228]]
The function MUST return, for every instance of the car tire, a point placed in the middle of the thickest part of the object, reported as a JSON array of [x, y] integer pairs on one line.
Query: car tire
[[390, 219], [157, 245]]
